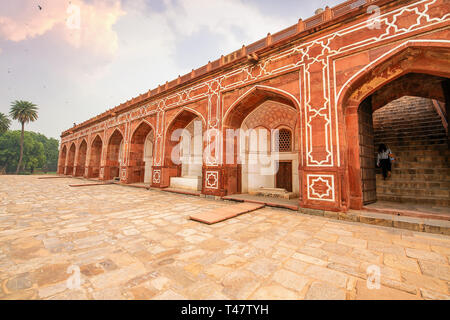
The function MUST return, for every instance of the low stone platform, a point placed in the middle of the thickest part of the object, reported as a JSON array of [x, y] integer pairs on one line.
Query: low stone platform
[[436, 226], [215, 216], [188, 183], [272, 193]]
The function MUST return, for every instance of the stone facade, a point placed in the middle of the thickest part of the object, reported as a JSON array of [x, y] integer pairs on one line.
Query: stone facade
[[323, 69]]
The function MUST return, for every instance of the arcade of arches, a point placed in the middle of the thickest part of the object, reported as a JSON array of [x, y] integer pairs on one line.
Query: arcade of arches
[[301, 119]]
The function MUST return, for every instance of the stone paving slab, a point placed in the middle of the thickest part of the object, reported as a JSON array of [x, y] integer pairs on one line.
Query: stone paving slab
[[132, 243], [215, 216]]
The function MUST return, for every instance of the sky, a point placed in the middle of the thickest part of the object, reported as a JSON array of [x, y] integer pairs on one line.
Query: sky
[[75, 59]]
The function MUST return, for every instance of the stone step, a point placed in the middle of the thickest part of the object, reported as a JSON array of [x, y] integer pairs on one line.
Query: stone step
[[402, 157], [443, 171], [411, 192], [407, 124], [410, 135], [421, 149], [395, 183], [396, 117], [428, 200], [438, 151], [400, 163], [416, 143], [420, 222], [416, 177]]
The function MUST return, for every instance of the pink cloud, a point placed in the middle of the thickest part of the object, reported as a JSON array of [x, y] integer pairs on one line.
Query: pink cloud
[[22, 22]]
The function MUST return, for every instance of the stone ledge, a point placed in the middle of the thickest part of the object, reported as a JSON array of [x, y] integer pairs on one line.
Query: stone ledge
[[385, 220]]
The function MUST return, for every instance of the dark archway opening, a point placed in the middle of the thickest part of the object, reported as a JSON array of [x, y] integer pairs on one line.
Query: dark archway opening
[[95, 158], [62, 160], [71, 160], [410, 116], [253, 160], [114, 156], [141, 154], [183, 152], [81, 160]]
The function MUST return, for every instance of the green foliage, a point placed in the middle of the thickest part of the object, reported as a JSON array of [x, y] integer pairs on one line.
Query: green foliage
[[23, 111], [4, 123], [38, 151]]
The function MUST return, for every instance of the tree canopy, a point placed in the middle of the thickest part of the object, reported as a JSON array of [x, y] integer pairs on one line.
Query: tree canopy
[[39, 151], [4, 123], [23, 111]]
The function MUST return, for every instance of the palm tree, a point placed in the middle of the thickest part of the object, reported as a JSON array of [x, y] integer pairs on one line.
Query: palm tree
[[4, 123], [24, 112]]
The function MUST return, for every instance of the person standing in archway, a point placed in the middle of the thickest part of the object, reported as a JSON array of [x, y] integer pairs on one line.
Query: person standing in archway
[[384, 159]]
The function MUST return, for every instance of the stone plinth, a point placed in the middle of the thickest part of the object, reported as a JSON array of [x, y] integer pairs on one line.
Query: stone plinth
[[188, 183]]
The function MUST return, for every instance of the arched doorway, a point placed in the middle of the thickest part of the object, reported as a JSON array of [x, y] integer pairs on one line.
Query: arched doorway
[[114, 155], [408, 112], [141, 154], [262, 144], [95, 158], [62, 160], [81, 159], [70, 160], [184, 145]]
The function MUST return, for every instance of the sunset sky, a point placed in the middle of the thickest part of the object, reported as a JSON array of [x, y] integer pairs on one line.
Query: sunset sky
[[120, 49]]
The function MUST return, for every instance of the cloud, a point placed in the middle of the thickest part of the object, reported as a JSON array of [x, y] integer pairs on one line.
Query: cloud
[[22, 21], [234, 21]]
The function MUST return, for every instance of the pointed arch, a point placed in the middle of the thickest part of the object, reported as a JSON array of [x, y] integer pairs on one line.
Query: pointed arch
[[116, 132], [141, 123], [392, 75], [95, 157], [114, 154], [181, 120], [62, 159], [140, 165], [242, 175], [71, 159], [81, 158], [414, 56], [254, 97]]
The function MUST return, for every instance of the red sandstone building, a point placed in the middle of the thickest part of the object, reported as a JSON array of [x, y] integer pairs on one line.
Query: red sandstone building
[[331, 87]]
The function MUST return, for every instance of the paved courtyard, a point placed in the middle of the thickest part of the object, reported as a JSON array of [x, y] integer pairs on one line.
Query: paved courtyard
[[130, 243]]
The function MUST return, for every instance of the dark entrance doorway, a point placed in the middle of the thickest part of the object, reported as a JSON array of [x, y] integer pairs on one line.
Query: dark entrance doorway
[[412, 121], [284, 175]]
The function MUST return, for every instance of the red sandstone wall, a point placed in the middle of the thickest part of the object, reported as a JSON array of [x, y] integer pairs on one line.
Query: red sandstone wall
[[324, 75]]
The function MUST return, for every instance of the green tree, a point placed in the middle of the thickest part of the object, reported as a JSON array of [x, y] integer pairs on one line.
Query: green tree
[[34, 153], [24, 112], [9, 150], [4, 123], [50, 149]]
